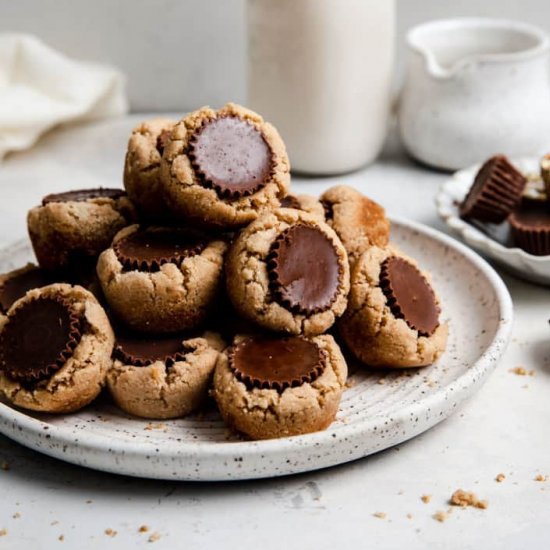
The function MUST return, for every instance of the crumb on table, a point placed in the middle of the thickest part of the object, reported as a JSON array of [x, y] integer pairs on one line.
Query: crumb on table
[[110, 532], [143, 529], [500, 478], [465, 498], [426, 498], [522, 371], [440, 516], [380, 515], [154, 537], [540, 477]]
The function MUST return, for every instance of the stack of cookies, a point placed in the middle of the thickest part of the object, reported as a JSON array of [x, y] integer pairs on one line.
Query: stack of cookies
[[207, 277]]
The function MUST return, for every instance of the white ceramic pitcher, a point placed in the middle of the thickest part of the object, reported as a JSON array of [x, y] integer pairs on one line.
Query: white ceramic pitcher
[[475, 87]]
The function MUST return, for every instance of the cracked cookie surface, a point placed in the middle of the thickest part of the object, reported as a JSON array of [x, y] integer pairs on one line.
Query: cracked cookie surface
[[265, 413], [249, 276], [68, 233], [370, 327], [142, 168], [358, 221], [174, 296], [163, 387], [79, 379], [210, 177]]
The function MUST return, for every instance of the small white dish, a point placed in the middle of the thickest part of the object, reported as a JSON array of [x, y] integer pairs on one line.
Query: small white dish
[[491, 240], [373, 416]]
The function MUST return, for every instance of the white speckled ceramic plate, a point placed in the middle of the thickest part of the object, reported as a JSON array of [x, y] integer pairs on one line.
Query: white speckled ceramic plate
[[489, 239], [372, 416]]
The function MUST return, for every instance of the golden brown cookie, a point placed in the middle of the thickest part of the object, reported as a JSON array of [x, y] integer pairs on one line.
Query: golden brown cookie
[[306, 203], [288, 272], [162, 376], [55, 349], [222, 169], [393, 314], [160, 280], [358, 221], [70, 230], [269, 387], [142, 168]]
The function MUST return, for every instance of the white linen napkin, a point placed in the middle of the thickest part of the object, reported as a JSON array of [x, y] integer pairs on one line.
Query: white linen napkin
[[41, 88]]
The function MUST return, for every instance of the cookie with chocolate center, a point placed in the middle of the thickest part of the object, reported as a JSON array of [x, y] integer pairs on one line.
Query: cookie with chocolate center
[[142, 169], [162, 376], [222, 169], [496, 191], [268, 386], [288, 272], [393, 316], [159, 280], [69, 230], [55, 349], [530, 227]]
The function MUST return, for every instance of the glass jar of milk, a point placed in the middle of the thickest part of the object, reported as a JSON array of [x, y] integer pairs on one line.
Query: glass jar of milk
[[321, 72]]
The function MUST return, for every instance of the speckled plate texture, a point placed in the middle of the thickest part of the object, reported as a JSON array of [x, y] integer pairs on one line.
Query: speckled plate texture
[[378, 410], [491, 240]]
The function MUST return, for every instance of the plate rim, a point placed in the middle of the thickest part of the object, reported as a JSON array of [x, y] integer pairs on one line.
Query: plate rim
[[19, 426]]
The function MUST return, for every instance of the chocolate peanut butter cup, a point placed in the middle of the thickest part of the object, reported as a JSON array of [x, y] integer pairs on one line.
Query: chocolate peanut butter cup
[[304, 269], [530, 227], [276, 363], [231, 156], [496, 191], [16, 286], [409, 295], [140, 351], [149, 249], [82, 195], [38, 338]]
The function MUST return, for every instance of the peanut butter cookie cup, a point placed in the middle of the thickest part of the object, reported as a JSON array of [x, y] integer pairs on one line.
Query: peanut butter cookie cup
[[55, 349], [161, 280], [163, 376], [288, 272], [393, 315], [70, 230], [268, 387], [222, 169], [358, 221], [142, 168]]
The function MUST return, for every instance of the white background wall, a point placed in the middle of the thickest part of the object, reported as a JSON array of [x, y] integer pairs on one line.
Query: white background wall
[[179, 54]]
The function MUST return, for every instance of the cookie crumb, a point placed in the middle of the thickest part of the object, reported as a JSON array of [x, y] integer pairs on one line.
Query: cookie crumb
[[16, 515], [6, 466], [61, 538], [55, 522], [380, 515], [500, 478], [465, 498], [440, 516], [426, 498], [110, 532], [154, 426], [521, 371], [154, 537], [3, 532], [143, 529], [409, 516], [540, 477]]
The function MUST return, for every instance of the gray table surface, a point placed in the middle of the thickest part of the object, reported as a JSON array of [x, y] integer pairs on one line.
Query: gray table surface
[[503, 428]]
